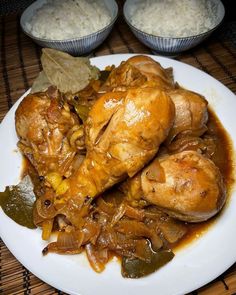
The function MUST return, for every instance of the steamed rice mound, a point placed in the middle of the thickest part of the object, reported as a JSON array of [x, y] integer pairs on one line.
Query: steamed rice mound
[[60, 20], [174, 18]]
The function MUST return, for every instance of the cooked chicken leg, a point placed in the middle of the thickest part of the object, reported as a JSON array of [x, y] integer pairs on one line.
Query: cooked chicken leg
[[44, 124], [139, 71], [123, 133], [191, 114], [153, 71], [186, 185]]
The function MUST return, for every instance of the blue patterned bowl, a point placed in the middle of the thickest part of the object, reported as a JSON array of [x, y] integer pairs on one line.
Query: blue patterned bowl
[[75, 46], [168, 45]]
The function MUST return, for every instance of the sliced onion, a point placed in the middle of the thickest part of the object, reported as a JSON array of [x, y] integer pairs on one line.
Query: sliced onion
[[134, 213], [70, 240], [132, 227], [105, 206], [108, 238], [173, 230], [76, 210], [67, 243], [94, 259], [143, 250], [119, 214], [139, 229], [153, 212], [91, 231]]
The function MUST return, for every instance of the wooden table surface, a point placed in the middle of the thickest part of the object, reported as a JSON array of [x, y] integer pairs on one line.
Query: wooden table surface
[[20, 64]]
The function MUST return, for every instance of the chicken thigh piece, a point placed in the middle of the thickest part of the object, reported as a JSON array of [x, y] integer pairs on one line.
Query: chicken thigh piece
[[123, 77], [186, 185], [123, 133], [44, 126], [191, 114], [139, 71], [153, 71]]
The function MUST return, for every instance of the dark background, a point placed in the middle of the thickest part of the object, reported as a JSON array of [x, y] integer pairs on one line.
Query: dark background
[[230, 10]]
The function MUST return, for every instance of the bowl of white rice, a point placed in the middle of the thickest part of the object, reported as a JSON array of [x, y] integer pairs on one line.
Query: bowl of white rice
[[170, 27], [74, 26]]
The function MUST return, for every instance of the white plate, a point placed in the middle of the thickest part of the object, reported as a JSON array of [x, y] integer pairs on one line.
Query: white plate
[[194, 266]]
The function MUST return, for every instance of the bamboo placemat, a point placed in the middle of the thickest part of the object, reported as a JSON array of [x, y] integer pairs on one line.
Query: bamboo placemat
[[20, 64]]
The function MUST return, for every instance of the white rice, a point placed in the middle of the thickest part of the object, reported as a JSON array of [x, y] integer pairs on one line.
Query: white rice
[[60, 20], [174, 18]]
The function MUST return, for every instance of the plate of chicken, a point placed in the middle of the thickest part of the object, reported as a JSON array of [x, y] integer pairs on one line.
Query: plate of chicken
[[125, 185]]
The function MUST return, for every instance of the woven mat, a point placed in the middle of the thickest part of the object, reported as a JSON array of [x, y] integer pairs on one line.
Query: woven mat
[[20, 64], [10, 6]]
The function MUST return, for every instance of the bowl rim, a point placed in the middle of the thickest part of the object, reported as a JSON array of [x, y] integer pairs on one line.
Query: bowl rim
[[113, 20], [174, 38]]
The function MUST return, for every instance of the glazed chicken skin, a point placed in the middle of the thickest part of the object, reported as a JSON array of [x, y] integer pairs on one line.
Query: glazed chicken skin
[[153, 71], [186, 185], [117, 144], [44, 125], [191, 114], [139, 71], [190, 107]]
